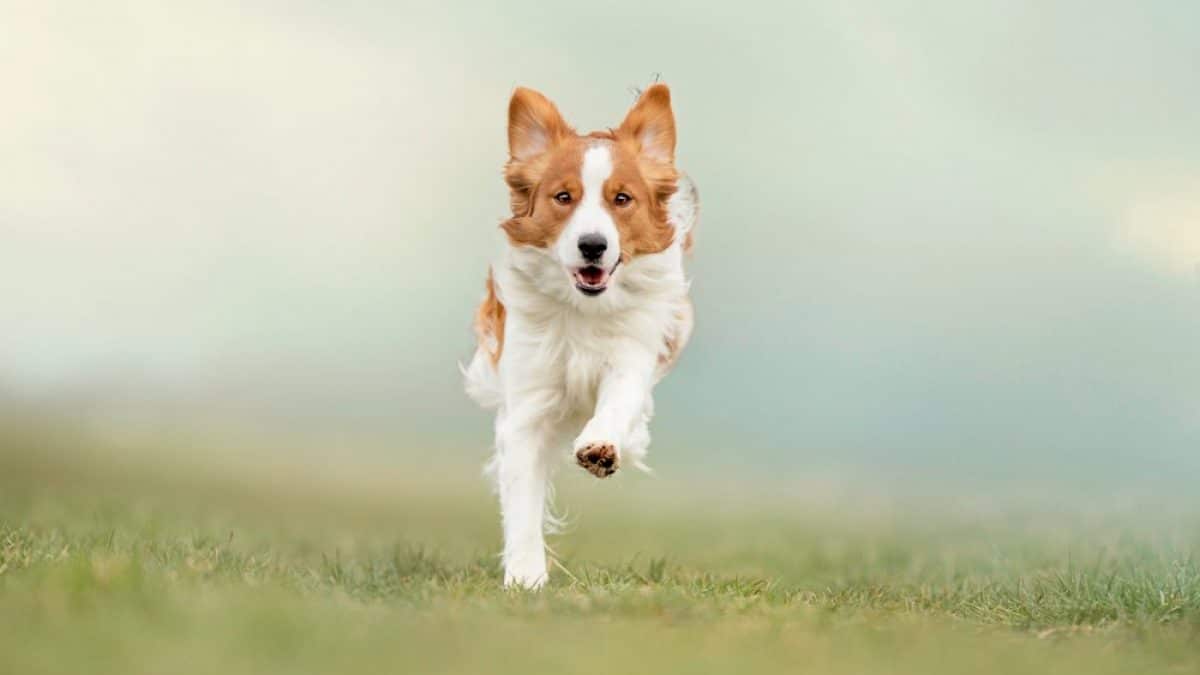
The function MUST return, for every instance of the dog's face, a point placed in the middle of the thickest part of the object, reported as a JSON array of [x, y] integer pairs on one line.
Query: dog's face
[[591, 202]]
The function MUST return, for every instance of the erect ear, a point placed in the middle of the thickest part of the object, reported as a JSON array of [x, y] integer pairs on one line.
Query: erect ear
[[534, 124], [652, 124]]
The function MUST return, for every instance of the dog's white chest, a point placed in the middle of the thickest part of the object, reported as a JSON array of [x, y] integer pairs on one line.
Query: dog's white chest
[[578, 356]]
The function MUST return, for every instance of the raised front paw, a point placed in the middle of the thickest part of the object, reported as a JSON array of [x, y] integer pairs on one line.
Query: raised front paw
[[599, 458]]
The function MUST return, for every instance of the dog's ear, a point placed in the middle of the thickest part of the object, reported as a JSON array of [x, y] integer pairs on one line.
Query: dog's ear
[[534, 125], [651, 124]]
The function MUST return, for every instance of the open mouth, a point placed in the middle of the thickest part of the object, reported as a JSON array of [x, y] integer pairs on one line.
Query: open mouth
[[591, 280]]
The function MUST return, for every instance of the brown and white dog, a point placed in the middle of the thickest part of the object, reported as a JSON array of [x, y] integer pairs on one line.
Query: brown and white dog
[[587, 306]]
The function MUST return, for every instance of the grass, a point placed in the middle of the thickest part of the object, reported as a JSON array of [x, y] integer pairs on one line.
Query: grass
[[120, 563]]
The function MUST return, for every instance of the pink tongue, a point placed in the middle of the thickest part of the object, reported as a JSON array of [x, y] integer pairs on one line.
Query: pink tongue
[[591, 275]]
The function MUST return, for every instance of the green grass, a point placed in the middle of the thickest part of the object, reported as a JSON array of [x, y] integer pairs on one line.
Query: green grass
[[121, 563]]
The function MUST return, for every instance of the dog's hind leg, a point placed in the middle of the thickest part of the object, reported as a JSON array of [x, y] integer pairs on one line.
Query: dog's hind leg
[[637, 443]]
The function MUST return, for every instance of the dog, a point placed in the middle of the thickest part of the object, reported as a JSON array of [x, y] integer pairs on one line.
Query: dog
[[586, 309]]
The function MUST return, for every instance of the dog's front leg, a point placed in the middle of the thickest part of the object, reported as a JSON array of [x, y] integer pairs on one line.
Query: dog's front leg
[[521, 477], [621, 404]]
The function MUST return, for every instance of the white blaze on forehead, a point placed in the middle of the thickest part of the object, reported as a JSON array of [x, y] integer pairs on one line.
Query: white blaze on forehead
[[597, 167]]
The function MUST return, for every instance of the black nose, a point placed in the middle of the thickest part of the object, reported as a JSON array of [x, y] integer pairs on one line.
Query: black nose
[[592, 246]]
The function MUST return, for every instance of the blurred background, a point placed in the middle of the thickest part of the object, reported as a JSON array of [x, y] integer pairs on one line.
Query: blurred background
[[937, 239]]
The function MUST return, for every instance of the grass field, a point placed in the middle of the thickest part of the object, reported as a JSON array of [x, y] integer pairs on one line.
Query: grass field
[[119, 563]]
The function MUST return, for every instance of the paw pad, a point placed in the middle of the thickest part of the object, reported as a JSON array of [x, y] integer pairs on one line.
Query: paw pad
[[600, 459]]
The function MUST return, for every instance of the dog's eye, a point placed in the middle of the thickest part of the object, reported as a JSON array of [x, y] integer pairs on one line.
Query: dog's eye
[[563, 197], [622, 199]]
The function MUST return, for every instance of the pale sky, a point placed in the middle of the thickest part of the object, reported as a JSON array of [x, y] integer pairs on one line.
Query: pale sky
[[930, 231]]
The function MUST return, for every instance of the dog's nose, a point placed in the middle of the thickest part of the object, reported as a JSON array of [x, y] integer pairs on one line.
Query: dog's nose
[[592, 246]]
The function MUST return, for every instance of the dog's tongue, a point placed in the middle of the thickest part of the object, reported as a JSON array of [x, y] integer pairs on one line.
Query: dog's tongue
[[592, 276]]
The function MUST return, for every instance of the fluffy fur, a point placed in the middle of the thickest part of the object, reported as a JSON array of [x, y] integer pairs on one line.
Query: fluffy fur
[[571, 342]]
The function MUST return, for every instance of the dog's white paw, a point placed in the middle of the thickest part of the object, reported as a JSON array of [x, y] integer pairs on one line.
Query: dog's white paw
[[526, 571]]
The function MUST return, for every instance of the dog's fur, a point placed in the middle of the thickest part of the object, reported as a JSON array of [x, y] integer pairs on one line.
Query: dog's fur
[[570, 346]]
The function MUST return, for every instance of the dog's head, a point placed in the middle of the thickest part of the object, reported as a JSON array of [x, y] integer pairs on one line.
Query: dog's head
[[591, 202]]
